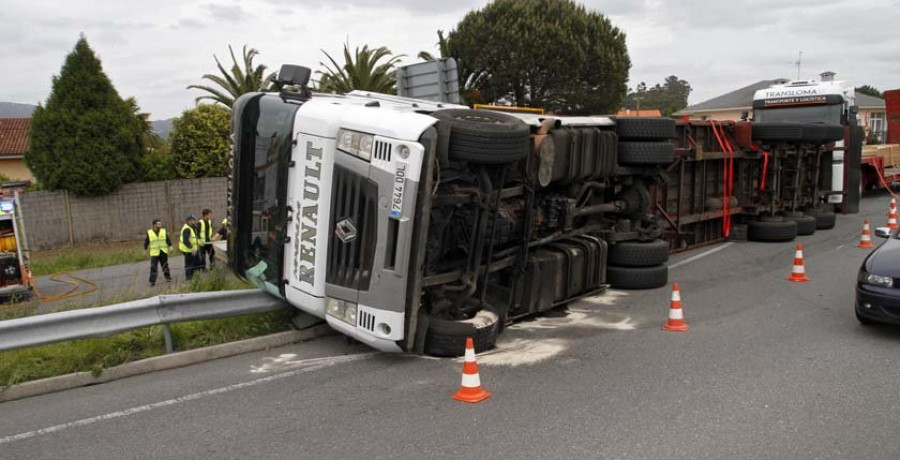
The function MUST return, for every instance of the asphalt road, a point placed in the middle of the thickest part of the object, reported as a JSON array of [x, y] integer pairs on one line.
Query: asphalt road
[[769, 370]]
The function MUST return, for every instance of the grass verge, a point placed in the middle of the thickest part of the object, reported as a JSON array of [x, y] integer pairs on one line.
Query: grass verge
[[86, 256], [94, 355]]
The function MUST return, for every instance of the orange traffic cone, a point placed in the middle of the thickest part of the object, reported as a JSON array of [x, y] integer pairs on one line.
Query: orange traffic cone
[[892, 214], [676, 316], [798, 273], [865, 241], [471, 391]]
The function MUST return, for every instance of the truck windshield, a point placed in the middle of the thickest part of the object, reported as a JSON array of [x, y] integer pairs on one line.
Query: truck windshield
[[829, 114], [263, 128]]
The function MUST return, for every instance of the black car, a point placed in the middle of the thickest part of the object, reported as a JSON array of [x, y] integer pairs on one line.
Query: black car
[[878, 284]]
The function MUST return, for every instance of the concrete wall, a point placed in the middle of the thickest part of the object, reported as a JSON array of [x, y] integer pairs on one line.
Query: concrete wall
[[58, 218]]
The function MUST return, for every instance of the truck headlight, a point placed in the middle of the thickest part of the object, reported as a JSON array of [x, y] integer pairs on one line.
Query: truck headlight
[[342, 310], [876, 280], [355, 143]]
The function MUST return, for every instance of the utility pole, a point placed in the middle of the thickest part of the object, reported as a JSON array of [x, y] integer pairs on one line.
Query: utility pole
[[798, 62]]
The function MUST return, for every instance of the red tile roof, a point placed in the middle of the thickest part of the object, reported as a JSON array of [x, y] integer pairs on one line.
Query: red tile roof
[[13, 136]]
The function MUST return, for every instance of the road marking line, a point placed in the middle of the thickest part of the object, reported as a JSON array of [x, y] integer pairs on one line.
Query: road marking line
[[315, 363], [700, 256]]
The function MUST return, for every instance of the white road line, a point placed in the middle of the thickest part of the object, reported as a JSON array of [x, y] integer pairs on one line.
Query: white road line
[[314, 364], [700, 256]]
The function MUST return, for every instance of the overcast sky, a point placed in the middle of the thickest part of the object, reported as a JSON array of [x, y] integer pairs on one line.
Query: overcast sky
[[153, 49]]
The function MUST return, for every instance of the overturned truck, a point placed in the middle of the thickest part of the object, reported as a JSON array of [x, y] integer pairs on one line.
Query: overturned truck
[[410, 225]]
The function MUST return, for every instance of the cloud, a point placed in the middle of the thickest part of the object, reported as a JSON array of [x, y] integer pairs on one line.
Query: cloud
[[227, 13], [154, 53]]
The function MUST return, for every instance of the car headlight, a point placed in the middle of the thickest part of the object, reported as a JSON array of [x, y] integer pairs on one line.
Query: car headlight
[[342, 310], [876, 280], [355, 143]]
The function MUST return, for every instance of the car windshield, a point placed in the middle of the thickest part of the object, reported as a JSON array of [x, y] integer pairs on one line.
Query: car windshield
[[830, 114]]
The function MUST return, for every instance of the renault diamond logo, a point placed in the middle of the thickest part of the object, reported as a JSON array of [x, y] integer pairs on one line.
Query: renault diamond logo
[[345, 230]]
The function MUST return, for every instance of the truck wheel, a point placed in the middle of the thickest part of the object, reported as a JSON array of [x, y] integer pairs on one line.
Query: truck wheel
[[485, 137], [806, 225], [637, 277], [639, 254], [447, 338], [824, 219], [645, 128], [646, 153], [785, 230]]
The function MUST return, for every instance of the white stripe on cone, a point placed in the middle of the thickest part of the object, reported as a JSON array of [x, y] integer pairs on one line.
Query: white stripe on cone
[[471, 380], [470, 355], [676, 313], [798, 269], [676, 296]]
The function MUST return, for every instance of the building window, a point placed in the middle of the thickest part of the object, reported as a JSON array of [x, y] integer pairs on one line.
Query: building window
[[876, 126]]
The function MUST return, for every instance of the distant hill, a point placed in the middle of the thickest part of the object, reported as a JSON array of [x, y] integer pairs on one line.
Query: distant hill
[[162, 127], [14, 110]]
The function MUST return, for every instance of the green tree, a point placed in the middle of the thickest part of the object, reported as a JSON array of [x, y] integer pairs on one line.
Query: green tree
[[545, 53], [85, 139], [362, 70], [443, 49], [199, 142], [669, 97], [239, 80], [870, 90]]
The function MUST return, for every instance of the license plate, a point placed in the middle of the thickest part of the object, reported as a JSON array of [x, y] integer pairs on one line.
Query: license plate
[[397, 194]]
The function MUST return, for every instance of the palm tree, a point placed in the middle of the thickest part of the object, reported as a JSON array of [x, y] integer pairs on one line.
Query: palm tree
[[362, 70], [236, 82], [443, 48]]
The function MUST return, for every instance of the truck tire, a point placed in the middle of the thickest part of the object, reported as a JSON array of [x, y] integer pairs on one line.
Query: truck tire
[[637, 277], [639, 254], [777, 131], [816, 132], [646, 153], [784, 230], [806, 225], [447, 338], [645, 128], [824, 219], [485, 137]]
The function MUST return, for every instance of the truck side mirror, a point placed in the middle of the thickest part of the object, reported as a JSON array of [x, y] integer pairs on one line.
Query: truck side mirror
[[883, 232], [854, 109]]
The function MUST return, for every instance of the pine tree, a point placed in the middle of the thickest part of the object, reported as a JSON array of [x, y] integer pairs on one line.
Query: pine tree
[[85, 138]]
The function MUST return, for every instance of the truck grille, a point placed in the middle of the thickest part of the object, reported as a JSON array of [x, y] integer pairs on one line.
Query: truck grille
[[383, 151], [354, 199]]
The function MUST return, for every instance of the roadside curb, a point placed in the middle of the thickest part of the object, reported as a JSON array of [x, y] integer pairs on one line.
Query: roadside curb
[[159, 363]]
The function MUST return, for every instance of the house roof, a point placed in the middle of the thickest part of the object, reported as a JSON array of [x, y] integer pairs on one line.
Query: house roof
[[742, 99], [738, 99], [639, 113], [14, 136], [864, 101]]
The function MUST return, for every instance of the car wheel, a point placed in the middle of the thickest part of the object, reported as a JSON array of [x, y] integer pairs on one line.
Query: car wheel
[[447, 338], [645, 128], [646, 153], [806, 225], [639, 254], [485, 137], [772, 231], [637, 277]]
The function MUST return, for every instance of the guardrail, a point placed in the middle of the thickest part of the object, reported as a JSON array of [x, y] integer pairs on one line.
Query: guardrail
[[113, 319]]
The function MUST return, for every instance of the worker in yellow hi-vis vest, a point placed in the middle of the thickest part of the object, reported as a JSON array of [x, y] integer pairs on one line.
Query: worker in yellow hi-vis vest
[[206, 238], [189, 245], [157, 243]]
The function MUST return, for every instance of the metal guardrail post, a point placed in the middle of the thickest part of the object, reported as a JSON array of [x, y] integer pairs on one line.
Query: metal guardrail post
[[167, 335]]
